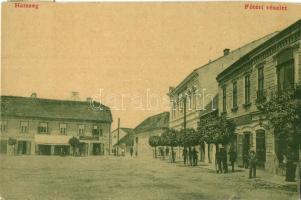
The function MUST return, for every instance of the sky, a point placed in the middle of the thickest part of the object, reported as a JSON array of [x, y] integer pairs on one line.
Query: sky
[[126, 55]]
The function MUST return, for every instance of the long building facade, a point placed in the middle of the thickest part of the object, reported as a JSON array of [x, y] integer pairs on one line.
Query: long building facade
[[272, 67], [31, 125], [196, 95], [152, 126]]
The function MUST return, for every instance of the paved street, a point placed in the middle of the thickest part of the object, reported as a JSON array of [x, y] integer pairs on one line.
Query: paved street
[[51, 177]]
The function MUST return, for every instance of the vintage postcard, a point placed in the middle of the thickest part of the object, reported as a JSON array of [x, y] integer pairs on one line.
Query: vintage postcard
[[150, 100]]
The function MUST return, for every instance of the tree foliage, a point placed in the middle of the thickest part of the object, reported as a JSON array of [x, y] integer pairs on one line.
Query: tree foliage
[[154, 141], [281, 110], [12, 141], [169, 138], [216, 129], [74, 142], [188, 137]]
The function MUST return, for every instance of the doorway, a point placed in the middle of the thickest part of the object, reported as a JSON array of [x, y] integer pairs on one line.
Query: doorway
[[23, 147], [260, 147], [96, 149]]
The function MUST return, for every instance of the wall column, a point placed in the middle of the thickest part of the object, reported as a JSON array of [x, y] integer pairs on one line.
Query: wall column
[[206, 159], [52, 150]]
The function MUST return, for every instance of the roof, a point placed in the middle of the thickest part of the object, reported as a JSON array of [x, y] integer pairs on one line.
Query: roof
[[128, 130], [274, 37], [153, 122], [128, 139], [54, 109], [209, 71]]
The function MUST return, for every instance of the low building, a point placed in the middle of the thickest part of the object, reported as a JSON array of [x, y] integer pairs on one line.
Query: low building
[[44, 126], [154, 125], [196, 95], [272, 67], [125, 145]]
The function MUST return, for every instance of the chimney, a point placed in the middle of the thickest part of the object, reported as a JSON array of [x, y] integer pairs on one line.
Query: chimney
[[226, 52], [34, 95]]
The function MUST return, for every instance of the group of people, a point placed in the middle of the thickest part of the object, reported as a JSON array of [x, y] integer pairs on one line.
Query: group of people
[[221, 160], [222, 165], [190, 156], [166, 152]]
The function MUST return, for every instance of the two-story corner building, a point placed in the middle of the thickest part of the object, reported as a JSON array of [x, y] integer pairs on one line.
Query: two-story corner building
[[153, 125], [272, 66], [44, 126], [196, 95], [119, 140]]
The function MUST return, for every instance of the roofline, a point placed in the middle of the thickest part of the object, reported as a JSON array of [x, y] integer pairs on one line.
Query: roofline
[[183, 82], [122, 128], [51, 100], [189, 77], [162, 113], [150, 129], [226, 72], [56, 118]]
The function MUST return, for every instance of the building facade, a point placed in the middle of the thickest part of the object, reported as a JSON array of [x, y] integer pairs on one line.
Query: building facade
[[44, 126], [272, 67], [196, 95], [154, 125]]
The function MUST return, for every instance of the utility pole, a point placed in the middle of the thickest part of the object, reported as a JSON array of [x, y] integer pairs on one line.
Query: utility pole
[[118, 136]]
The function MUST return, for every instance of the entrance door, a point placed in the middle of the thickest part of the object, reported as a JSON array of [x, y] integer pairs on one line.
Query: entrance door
[[240, 138], [22, 147], [260, 147], [246, 147], [96, 149]]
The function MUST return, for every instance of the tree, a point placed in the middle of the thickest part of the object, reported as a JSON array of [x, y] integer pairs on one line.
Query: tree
[[170, 138], [154, 142], [74, 143], [214, 129], [12, 142], [282, 111]]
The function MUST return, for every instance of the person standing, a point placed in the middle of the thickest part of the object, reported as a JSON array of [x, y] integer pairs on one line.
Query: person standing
[[167, 151], [190, 154], [252, 164], [131, 151], [290, 165], [245, 160], [184, 154], [195, 156], [232, 157], [173, 156], [224, 159], [218, 161]]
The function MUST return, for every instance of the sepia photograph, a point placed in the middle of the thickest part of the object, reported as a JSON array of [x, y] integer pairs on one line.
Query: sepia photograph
[[150, 100]]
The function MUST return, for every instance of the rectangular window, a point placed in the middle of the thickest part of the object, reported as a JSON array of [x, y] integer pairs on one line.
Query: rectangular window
[[247, 89], [224, 99], [234, 94], [286, 76], [43, 127], [63, 129], [95, 131], [24, 127], [260, 82], [81, 130], [3, 126]]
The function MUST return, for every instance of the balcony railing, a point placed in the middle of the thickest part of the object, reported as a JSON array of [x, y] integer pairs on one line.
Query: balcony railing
[[88, 137]]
